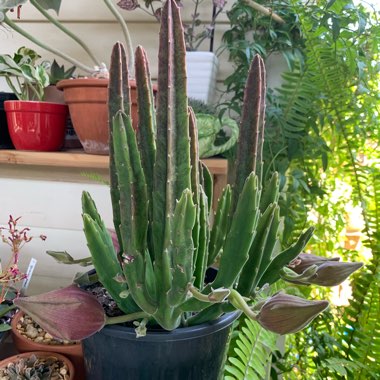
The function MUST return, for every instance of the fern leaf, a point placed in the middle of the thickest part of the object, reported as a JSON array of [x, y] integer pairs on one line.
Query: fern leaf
[[251, 353]]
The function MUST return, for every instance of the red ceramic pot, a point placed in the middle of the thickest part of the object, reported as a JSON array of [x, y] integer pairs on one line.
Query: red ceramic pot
[[36, 126]]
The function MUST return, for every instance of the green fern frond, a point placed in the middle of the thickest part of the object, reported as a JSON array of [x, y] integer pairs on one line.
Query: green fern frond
[[295, 99], [361, 333], [252, 353], [341, 367]]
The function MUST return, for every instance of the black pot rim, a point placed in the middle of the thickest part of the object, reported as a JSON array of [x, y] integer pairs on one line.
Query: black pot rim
[[181, 333]]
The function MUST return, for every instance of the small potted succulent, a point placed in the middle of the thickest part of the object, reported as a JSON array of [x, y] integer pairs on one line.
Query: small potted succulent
[[33, 123], [37, 366], [28, 336], [174, 323], [58, 73]]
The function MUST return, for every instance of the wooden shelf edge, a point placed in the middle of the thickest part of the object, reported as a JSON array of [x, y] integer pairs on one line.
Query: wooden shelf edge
[[68, 159], [79, 159]]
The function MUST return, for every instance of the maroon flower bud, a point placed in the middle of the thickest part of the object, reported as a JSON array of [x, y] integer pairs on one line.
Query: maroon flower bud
[[69, 313], [328, 272], [332, 273], [305, 260], [286, 314]]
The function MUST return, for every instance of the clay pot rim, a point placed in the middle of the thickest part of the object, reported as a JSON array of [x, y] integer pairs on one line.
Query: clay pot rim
[[38, 346], [82, 82], [91, 82], [59, 356]]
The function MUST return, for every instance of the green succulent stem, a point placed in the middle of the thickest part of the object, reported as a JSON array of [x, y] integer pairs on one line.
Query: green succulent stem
[[240, 303], [127, 318], [198, 295]]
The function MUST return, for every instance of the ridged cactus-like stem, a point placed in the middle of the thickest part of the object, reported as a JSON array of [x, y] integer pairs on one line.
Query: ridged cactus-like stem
[[172, 170], [104, 256], [251, 135], [147, 123], [172, 167], [221, 222], [119, 92]]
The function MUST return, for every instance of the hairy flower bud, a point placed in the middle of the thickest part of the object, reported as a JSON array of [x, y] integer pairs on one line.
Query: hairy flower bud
[[286, 314], [328, 272], [69, 313]]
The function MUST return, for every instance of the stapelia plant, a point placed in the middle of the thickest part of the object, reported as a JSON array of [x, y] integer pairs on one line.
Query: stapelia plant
[[161, 195]]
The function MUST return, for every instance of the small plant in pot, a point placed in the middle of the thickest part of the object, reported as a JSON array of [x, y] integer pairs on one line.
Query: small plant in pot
[[58, 73], [36, 366], [161, 195], [28, 336], [33, 124]]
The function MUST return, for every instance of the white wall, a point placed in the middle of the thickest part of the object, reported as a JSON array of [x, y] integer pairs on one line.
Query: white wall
[[51, 208]]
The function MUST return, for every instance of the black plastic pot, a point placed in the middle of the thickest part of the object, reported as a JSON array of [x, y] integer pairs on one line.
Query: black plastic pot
[[190, 353], [5, 140]]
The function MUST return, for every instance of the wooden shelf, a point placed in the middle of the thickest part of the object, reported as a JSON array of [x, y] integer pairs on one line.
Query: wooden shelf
[[79, 160]]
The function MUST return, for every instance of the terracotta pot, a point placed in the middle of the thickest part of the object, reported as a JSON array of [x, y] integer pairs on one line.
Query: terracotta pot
[[35, 125], [52, 94], [39, 354], [73, 351], [87, 101]]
